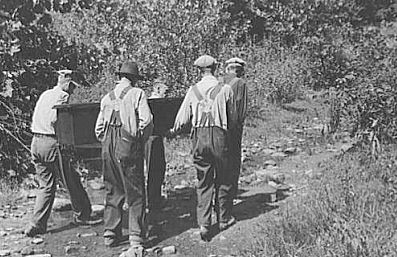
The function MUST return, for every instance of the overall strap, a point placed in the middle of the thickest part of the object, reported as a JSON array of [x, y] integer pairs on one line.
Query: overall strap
[[125, 91], [216, 90]]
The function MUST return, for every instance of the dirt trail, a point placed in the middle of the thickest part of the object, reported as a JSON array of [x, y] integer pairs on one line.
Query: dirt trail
[[176, 224]]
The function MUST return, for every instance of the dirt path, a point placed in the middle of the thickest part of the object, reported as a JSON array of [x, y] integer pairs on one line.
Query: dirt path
[[297, 157]]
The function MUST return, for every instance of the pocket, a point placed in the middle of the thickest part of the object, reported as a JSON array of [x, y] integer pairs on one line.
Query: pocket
[[127, 146]]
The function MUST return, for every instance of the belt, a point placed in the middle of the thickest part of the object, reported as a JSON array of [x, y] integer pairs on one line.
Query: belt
[[44, 135]]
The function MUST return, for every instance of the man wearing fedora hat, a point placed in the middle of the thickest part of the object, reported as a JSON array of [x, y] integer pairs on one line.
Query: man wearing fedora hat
[[208, 107], [233, 77], [46, 155], [123, 125]]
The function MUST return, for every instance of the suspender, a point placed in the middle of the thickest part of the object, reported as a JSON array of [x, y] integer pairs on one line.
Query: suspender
[[115, 116], [207, 116]]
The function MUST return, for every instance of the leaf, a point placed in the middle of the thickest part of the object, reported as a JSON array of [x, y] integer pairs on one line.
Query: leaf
[[8, 89]]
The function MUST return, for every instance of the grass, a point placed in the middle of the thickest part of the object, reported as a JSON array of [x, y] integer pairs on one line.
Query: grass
[[350, 211], [9, 191]]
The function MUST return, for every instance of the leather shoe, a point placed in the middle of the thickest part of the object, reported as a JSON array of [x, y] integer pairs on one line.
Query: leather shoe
[[86, 222], [33, 231]]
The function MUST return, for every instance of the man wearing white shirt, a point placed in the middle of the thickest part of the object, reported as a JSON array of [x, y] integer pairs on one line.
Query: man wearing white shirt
[[45, 155]]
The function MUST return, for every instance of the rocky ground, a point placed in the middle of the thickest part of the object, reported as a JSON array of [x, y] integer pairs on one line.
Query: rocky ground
[[275, 171]]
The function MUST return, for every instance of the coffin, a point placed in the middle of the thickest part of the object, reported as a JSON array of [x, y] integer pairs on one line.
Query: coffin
[[76, 122]]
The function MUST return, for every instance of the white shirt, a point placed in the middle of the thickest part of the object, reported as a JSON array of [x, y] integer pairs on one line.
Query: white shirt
[[44, 115]]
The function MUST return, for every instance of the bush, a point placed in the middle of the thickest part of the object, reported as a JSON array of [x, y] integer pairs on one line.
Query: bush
[[350, 211]]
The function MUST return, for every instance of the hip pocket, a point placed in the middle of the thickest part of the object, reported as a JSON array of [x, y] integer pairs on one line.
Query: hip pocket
[[127, 146]]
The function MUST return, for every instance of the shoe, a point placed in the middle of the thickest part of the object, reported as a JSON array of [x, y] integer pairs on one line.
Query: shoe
[[134, 251], [205, 234], [86, 222], [111, 239], [33, 231], [227, 224]]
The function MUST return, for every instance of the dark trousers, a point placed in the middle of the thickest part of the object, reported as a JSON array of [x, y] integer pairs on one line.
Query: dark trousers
[[235, 137], [46, 157], [124, 183], [210, 158], [155, 166]]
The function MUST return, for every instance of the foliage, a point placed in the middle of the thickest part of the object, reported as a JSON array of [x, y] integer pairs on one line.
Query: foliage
[[164, 37], [348, 212]]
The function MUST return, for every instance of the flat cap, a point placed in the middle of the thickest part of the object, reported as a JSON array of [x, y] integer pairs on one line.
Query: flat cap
[[235, 61], [205, 61]]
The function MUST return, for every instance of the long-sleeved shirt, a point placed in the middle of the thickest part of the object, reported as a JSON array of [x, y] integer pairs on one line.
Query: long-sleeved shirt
[[44, 115], [192, 111], [240, 93], [135, 114]]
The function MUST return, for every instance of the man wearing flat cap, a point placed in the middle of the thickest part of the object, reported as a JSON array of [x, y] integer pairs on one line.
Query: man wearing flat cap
[[123, 125], [46, 154], [233, 77], [208, 107]]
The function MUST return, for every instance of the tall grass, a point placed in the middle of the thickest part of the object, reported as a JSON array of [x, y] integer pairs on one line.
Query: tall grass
[[350, 211]]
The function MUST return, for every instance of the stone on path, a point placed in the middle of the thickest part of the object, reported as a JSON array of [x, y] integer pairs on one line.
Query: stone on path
[[270, 163], [169, 249], [39, 255], [5, 253], [290, 150], [279, 154], [71, 249], [62, 204], [37, 241]]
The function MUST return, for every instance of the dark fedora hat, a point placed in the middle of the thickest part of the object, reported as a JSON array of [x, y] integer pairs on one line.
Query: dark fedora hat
[[130, 68]]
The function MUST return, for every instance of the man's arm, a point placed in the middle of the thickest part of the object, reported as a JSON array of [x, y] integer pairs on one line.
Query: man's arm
[[145, 117], [184, 114], [100, 125]]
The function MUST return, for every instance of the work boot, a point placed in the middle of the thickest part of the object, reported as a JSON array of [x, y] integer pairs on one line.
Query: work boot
[[226, 224], [91, 221], [205, 233], [111, 239], [32, 231]]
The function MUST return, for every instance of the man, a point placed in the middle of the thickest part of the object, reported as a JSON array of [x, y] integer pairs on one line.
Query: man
[[234, 72], [207, 105], [155, 157], [45, 154], [123, 125]]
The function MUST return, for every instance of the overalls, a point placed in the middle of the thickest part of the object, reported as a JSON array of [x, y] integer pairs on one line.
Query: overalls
[[122, 157], [210, 158]]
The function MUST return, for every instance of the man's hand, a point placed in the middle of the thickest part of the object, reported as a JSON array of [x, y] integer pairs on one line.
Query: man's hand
[[170, 133]]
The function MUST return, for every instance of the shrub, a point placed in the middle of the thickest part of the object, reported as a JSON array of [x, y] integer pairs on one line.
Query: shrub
[[348, 212]]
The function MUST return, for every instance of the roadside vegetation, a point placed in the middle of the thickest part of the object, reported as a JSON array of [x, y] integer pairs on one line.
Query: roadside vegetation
[[342, 53]]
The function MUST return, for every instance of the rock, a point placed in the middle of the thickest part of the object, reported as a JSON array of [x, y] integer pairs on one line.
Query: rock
[[27, 250], [180, 187], [62, 204], [37, 241], [71, 249], [12, 173], [40, 255], [270, 163], [89, 234], [169, 250], [97, 209], [268, 151], [3, 233], [237, 201], [279, 155], [96, 184], [290, 150], [5, 252], [186, 215]]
